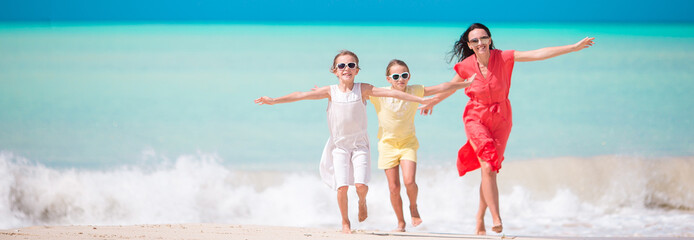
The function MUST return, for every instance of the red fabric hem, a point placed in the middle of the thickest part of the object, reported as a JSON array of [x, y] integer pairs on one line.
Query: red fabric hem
[[468, 159]]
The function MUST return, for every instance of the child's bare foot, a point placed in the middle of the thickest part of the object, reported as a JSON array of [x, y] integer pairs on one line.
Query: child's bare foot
[[480, 227], [346, 228], [416, 220], [498, 227], [362, 210]]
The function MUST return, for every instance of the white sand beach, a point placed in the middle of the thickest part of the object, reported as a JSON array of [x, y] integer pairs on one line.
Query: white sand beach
[[217, 231], [242, 232]]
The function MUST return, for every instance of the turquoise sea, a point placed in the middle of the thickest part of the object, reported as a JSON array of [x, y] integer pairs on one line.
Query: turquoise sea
[[128, 123]]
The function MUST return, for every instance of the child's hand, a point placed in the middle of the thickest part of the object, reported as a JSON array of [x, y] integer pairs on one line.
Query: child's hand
[[470, 79], [265, 100], [460, 85]]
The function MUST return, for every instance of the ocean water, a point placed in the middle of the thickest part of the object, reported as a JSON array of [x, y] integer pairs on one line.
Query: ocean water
[[155, 123]]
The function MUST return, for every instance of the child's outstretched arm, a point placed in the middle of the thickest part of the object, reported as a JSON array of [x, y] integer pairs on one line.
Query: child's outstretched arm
[[448, 86], [427, 109], [370, 90], [318, 93]]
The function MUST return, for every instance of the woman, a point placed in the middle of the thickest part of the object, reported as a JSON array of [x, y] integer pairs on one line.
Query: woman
[[487, 116]]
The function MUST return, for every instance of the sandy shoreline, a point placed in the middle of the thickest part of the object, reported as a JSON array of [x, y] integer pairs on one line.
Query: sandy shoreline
[[217, 231], [226, 231]]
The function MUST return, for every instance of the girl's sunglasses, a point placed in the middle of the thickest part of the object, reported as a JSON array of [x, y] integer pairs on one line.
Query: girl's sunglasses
[[343, 65], [481, 40], [396, 76]]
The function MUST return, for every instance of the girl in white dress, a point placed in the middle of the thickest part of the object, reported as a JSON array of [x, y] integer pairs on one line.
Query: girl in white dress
[[346, 158]]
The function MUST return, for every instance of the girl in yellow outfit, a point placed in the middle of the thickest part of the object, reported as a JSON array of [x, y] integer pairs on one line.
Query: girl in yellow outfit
[[397, 143]]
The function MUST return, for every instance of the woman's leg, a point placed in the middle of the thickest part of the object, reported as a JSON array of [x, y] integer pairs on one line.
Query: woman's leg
[[489, 194], [409, 170], [490, 191], [481, 230], [393, 176]]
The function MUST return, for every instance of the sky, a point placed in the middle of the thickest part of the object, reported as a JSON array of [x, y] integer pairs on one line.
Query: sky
[[348, 11]]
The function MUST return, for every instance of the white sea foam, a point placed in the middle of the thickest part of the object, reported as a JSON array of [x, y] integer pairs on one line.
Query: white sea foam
[[601, 196]]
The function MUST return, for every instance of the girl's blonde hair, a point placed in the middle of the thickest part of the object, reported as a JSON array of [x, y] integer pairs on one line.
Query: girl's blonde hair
[[341, 53], [396, 62]]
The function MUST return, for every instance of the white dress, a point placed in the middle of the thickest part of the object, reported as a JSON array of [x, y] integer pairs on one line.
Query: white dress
[[346, 157]]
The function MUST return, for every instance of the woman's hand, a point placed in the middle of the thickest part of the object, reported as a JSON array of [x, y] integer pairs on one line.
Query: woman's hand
[[585, 43], [550, 52], [426, 109]]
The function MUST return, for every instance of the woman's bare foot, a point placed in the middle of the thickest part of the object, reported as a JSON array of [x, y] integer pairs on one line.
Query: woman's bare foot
[[498, 227], [401, 227], [480, 227], [346, 228], [416, 220], [362, 211]]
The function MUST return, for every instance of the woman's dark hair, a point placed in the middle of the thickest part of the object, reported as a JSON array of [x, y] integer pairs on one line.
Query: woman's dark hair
[[461, 50]]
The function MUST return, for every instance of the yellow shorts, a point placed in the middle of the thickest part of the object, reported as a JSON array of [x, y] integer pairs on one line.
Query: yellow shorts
[[391, 151]]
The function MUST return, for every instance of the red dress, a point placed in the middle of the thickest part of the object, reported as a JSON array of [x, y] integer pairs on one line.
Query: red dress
[[487, 115]]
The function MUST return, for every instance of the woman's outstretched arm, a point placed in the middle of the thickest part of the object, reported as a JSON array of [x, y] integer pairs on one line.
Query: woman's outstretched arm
[[550, 52], [428, 109], [370, 90], [448, 86]]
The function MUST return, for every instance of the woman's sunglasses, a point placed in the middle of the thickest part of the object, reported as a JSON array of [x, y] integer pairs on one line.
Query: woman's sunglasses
[[343, 65], [481, 40], [396, 76]]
